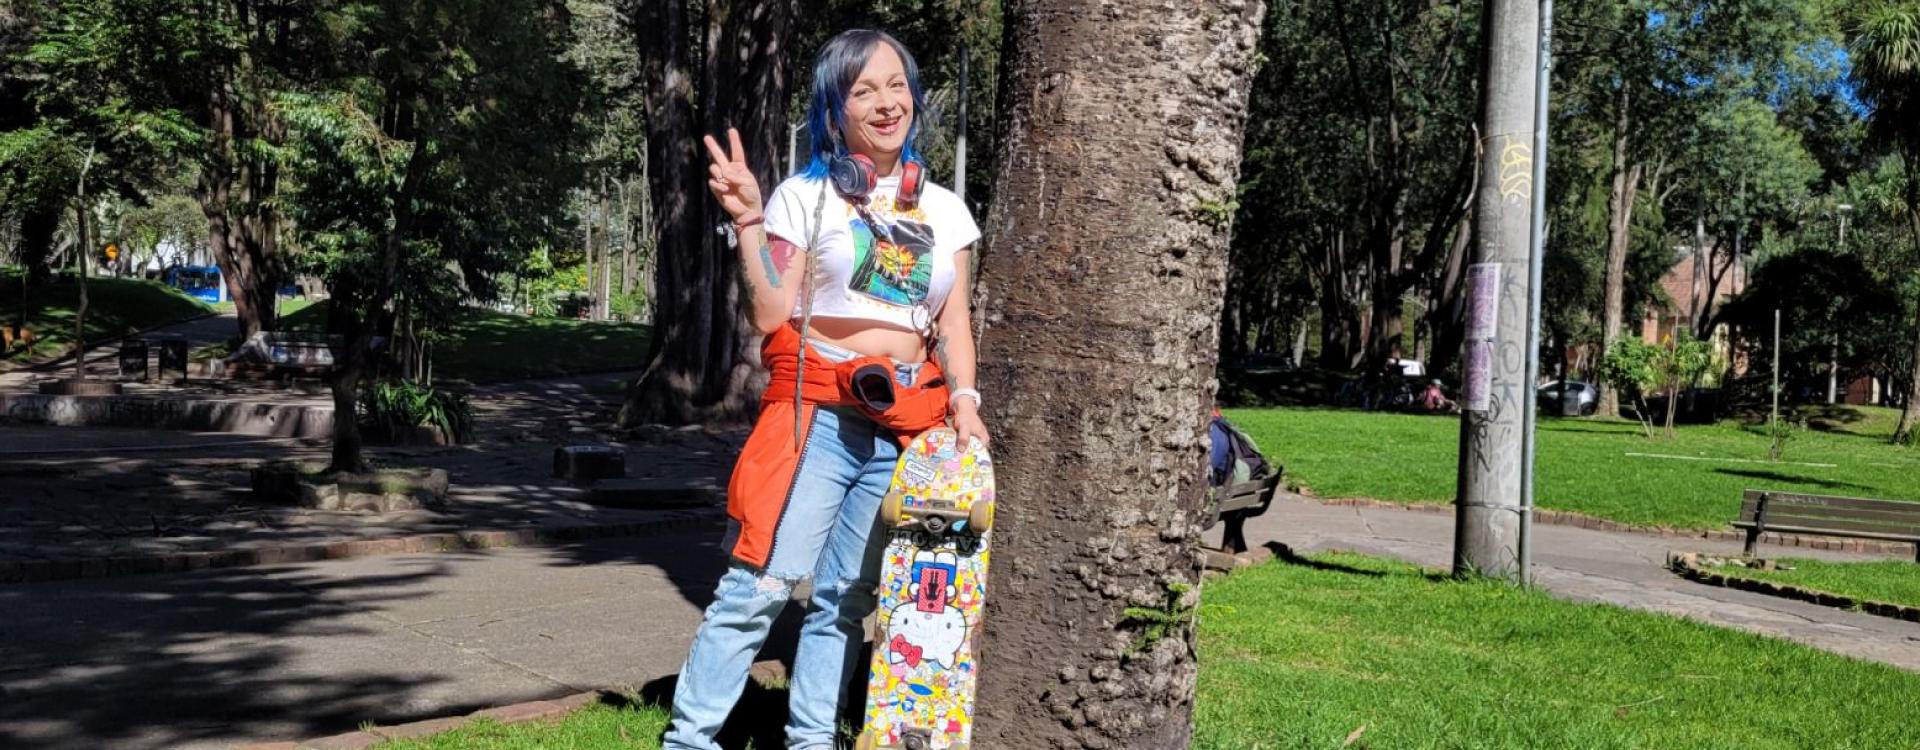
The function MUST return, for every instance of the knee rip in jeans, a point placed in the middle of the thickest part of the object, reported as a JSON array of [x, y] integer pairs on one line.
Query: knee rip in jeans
[[771, 585]]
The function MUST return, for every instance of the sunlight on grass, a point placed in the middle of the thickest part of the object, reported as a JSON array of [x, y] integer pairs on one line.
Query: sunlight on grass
[[1297, 656], [488, 346], [1892, 581], [596, 726], [115, 308], [1602, 468]]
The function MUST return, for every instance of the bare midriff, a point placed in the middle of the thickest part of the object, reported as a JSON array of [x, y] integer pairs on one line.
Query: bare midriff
[[868, 339]]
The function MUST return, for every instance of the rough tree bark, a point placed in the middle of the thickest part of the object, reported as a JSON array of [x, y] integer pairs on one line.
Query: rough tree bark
[[1341, 287], [1099, 295], [237, 186], [1447, 320], [1903, 434], [704, 365], [1626, 181]]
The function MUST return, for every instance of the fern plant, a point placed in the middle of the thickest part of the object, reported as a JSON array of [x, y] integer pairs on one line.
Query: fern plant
[[395, 408]]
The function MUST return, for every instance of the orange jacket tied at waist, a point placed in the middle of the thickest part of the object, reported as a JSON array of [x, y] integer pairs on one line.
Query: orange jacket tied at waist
[[763, 478]]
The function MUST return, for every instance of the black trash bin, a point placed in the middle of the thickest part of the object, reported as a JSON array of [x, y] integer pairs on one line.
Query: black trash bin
[[133, 360], [173, 358]]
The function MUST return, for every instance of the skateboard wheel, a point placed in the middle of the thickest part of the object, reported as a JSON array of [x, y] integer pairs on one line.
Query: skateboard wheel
[[891, 509], [980, 517], [865, 742]]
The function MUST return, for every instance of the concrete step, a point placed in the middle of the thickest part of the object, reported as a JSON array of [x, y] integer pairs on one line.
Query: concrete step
[[199, 414]]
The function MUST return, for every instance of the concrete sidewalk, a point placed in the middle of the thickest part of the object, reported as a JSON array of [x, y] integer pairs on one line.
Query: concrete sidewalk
[[205, 660], [1597, 566]]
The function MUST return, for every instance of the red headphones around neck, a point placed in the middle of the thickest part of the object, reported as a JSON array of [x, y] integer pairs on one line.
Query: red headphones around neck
[[855, 177]]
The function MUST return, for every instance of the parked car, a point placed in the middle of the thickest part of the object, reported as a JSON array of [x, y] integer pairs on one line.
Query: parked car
[[1579, 399]]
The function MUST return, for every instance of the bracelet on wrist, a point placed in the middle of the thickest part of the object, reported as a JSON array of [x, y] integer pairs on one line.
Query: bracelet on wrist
[[741, 226], [958, 393]]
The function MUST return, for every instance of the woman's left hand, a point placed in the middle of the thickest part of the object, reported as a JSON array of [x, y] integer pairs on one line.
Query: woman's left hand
[[967, 424]]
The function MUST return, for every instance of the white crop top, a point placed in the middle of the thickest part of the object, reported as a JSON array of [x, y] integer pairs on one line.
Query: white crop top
[[897, 276]]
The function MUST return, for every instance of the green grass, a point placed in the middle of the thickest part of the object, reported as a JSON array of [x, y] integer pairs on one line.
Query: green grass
[[1298, 657], [1891, 581], [115, 308], [488, 347], [1302, 656], [1601, 468], [597, 726], [284, 306]]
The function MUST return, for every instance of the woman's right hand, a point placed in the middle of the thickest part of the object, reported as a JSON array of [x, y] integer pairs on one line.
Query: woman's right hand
[[731, 180]]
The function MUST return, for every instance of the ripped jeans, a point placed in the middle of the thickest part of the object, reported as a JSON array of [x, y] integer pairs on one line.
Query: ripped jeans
[[823, 536]]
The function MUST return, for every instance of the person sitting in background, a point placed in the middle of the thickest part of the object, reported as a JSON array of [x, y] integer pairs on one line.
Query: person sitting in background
[[1435, 400]]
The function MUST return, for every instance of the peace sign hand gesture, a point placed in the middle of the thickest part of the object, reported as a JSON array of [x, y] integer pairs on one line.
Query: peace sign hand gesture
[[731, 180]]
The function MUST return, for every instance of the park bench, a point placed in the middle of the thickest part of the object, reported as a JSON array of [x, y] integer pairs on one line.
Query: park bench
[[134, 354], [308, 354], [1239, 502], [1762, 511]]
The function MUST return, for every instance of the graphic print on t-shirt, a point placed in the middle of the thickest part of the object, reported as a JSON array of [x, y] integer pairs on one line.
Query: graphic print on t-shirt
[[893, 264]]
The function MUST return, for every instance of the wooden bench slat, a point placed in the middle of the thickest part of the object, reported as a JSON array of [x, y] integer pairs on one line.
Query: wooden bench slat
[[1844, 515], [1836, 524], [1841, 528], [1798, 499], [1771, 527]]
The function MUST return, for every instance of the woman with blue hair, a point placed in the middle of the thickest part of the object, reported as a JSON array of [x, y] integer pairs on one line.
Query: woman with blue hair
[[857, 268]]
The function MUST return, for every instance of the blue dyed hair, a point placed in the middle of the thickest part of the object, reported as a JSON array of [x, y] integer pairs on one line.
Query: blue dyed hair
[[834, 70]]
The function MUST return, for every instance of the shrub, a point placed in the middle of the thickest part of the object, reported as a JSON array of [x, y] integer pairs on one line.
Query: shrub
[[1668, 367], [395, 408]]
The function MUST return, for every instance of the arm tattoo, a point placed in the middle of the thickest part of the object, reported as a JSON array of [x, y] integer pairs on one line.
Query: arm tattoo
[[775, 255], [766, 260]]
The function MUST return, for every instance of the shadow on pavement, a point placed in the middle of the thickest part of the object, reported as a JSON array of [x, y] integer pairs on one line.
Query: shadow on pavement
[[179, 658]]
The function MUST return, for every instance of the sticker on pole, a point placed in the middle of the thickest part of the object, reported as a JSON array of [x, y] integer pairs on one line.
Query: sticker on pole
[[1483, 319]]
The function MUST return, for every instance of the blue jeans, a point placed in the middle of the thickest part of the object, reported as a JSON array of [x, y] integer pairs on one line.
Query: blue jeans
[[824, 536]]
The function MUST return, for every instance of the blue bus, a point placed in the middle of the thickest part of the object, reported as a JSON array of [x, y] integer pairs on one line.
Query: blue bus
[[203, 283]]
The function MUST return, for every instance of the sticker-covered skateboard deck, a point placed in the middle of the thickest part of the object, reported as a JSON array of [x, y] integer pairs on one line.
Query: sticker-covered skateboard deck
[[933, 584]]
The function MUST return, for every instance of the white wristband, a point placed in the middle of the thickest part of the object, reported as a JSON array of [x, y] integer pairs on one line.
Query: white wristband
[[968, 392]]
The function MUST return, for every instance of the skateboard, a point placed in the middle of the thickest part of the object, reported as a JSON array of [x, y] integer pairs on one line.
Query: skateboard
[[933, 584]]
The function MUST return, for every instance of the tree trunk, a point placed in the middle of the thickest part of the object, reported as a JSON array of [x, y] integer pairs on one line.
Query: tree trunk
[[1448, 321], [1300, 342], [38, 227], [704, 368], [241, 230], [1124, 122], [1626, 181], [345, 386], [81, 243], [1342, 337], [628, 249], [1910, 413], [605, 290], [358, 318], [593, 280]]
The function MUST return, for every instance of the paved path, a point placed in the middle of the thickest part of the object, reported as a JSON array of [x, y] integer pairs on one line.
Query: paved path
[[1597, 566], [199, 661], [202, 660], [90, 492]]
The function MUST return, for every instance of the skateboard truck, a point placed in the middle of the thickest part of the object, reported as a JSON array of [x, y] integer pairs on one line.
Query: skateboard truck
[[938, 516]]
